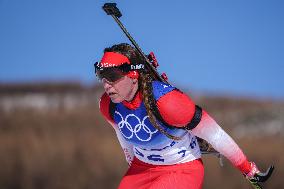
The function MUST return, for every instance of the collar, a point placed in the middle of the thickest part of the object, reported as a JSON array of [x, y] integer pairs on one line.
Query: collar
[[135, 102]]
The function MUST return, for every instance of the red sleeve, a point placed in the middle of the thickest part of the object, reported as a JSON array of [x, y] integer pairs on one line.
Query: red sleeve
[[176, 108], [245, 166], [104, 107]]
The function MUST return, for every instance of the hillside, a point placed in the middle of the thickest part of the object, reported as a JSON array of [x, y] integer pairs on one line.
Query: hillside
[[53, 136]]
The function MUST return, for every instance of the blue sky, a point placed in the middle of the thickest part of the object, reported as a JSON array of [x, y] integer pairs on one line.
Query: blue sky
[[217, 46]]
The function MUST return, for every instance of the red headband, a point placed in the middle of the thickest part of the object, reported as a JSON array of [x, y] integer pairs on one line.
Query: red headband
[[111, 59]]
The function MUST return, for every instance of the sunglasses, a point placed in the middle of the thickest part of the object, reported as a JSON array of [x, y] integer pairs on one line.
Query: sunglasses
[[113, 74]]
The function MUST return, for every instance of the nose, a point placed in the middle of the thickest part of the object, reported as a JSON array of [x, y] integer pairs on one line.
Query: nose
[[106, 84]]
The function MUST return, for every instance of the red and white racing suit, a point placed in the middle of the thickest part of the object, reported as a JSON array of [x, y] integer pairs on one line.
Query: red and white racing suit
[[155, 160]]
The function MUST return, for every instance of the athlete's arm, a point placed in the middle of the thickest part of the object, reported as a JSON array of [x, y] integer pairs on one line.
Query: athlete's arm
[[104, 107], [210, 131], [126, 146], [177, 109]]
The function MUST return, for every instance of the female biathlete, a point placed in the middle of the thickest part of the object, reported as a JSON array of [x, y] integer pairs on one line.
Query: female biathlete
[[149, 118]]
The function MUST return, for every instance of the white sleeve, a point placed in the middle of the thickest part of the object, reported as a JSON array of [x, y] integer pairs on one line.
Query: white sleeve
[[126, 146], [210, 131]]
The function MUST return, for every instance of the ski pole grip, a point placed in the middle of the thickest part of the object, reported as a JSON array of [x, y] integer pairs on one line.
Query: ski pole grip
[[111, 9], [262, 177]]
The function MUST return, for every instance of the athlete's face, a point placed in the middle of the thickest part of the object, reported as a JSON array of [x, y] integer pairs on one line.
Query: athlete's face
[[122, 89]]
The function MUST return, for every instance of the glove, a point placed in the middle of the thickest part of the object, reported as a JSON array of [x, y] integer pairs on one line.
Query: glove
[[255, 176]]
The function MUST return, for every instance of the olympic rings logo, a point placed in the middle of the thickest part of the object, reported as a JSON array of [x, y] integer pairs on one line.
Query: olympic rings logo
[[139, 129]]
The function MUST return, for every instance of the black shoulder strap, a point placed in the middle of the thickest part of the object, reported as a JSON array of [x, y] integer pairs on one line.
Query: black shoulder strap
[[195, 119]]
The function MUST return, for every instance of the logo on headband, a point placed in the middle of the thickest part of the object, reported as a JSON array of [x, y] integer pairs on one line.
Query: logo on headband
[[137, 67], [107, 65]]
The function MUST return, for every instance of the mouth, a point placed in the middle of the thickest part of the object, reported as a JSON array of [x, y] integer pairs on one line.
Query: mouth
[[111, 93]]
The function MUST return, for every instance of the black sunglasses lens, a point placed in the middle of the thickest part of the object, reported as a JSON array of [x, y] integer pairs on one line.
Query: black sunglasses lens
[[110, 74]]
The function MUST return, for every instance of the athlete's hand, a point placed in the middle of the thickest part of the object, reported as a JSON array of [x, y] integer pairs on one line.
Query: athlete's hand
[[255, 176]]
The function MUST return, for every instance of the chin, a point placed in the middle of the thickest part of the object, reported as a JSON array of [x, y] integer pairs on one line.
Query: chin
[[116, 100]]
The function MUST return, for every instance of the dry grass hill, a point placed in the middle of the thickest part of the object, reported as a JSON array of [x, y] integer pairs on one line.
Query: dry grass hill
[[52, 136]]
